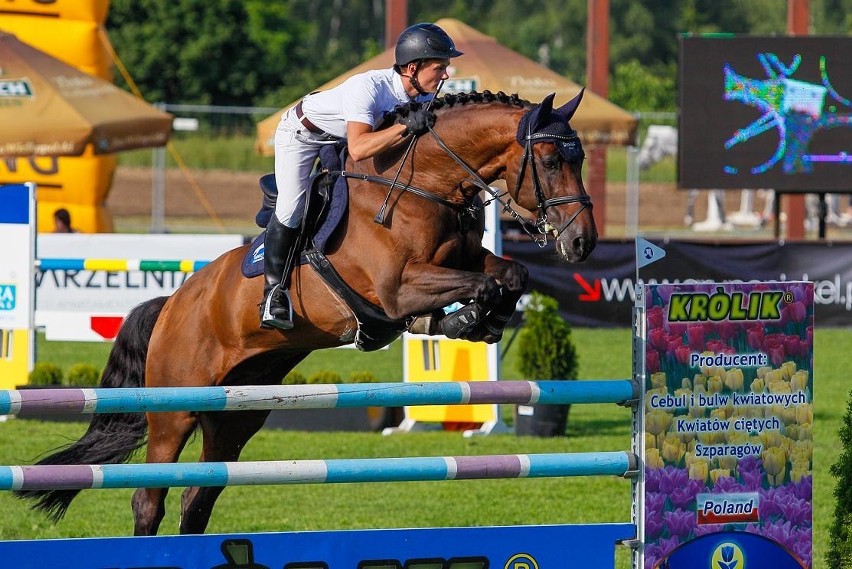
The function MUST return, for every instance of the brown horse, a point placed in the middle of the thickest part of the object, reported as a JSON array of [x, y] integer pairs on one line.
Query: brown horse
[[424, 254]]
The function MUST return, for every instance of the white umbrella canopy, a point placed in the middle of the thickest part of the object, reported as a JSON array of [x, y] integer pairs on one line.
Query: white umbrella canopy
[[487, 64], [48, 108]]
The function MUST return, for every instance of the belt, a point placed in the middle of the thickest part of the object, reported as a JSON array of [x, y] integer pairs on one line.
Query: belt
[[311, 127]]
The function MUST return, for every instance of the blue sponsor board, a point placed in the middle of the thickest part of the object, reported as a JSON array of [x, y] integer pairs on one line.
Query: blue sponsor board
[[519, 547]]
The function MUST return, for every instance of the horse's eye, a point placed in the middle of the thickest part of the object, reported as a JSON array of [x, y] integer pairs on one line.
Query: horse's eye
[[550, 162]]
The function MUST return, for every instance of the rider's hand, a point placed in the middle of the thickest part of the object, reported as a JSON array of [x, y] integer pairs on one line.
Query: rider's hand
[[418, 122]]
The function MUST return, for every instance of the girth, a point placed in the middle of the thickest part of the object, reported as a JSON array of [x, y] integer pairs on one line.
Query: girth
[[375, 329]]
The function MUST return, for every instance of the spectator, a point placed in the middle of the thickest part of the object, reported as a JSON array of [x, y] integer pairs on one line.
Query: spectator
[[62, 221]]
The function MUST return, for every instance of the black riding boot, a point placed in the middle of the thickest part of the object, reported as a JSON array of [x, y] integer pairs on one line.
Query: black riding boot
[[279, 250]]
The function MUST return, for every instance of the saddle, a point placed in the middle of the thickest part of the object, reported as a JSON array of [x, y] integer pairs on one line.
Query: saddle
[[327, 202]]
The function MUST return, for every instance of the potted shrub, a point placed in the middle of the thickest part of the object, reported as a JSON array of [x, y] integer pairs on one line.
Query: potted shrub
[[545, 352], [44, 374], [82, 375]]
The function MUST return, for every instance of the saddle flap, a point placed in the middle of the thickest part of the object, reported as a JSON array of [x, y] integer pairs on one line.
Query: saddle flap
[[269, 193]]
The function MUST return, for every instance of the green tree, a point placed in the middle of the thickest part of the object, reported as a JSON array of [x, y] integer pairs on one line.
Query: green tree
[[839, 552], [270, 53], [196, 51], [638, 88]]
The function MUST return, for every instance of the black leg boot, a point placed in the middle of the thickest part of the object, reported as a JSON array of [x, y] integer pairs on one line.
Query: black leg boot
[[279, 251]]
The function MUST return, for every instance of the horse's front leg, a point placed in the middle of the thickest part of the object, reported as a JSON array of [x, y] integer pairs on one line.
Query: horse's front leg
[[423, 288], [489, 296]]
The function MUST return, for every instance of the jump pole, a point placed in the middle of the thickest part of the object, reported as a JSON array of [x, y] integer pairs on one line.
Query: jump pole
[[332, 471], [161, 399]]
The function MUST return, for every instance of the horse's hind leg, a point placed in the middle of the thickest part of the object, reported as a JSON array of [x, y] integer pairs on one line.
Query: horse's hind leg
[[167, 435], [225, 435]]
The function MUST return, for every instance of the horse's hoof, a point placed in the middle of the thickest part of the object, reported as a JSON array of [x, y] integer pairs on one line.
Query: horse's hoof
[[489, 293]]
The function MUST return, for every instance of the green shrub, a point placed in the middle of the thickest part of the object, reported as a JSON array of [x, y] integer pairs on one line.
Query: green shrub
[[545, 348], [82, 375], [839, 552], [45, 373], [362, 377], [325, 377], [295, 378]]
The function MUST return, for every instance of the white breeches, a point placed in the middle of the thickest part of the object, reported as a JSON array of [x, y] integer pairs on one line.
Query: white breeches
[[296, 150]]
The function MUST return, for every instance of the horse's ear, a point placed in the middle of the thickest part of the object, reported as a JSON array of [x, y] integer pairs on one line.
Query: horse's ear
[[546, 106], [567, 110], [540, 115]]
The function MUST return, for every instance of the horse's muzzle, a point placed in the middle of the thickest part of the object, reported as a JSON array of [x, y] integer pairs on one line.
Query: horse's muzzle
[[576, 249]]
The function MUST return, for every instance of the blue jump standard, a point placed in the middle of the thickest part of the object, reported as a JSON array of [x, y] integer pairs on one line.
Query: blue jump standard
[[156, 399]]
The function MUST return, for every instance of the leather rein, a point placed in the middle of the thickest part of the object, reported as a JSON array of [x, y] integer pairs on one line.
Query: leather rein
[[538, 229]]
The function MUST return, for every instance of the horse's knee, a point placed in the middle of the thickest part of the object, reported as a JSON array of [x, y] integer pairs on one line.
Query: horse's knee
[[515, 278], [148, 510]]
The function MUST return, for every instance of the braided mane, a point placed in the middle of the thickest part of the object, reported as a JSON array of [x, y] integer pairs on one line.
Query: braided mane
[[453, 99]]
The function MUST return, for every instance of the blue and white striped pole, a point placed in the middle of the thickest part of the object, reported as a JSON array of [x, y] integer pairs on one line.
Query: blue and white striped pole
[[163, 475], [155, 399]]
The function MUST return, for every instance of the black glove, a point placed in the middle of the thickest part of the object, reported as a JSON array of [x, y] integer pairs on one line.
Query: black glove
[[418, 122]]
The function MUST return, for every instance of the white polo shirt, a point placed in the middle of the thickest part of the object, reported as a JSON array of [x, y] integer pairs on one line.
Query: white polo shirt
[[363, 98]]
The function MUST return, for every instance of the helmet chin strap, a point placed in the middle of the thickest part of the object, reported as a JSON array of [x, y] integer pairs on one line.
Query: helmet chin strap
[[414, 81]]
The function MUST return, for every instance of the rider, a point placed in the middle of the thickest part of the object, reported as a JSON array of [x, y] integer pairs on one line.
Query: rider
[[349, 111]]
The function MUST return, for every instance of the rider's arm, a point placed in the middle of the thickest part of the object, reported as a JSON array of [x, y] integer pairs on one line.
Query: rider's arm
[[364, 142]]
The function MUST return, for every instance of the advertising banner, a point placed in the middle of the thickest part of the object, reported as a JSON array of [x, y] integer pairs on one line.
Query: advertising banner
[[601, 290], [79, 184], [90, 305], [728, 425], [17, 348]]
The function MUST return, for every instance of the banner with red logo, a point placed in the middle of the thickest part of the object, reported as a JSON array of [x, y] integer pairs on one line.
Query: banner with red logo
[[728, 425], [600, 291]]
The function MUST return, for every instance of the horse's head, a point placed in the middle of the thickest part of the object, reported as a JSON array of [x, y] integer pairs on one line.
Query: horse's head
[[548, 178]]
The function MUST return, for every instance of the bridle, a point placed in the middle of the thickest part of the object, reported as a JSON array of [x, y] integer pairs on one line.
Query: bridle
[[537, 229], [542, 225]]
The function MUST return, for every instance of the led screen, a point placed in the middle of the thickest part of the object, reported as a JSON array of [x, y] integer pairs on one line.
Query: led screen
[[765, 112]]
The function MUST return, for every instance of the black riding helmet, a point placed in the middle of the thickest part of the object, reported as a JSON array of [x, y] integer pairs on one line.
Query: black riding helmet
[[424, 41]]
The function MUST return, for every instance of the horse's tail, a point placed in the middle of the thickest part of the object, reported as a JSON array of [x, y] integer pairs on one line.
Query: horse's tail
[[110, 438]]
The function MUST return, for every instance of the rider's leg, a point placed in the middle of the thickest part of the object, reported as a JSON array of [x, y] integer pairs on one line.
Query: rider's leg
[[294, 158], [279, 252]]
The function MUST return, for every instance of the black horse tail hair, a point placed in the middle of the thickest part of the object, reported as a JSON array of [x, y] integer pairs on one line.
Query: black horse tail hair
[[110, 438]]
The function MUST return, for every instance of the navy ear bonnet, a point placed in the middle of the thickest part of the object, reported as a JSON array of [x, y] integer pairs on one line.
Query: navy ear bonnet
[[545, 124]]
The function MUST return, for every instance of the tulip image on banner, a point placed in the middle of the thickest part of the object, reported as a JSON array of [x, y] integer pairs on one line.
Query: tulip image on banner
[[729, 425]]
